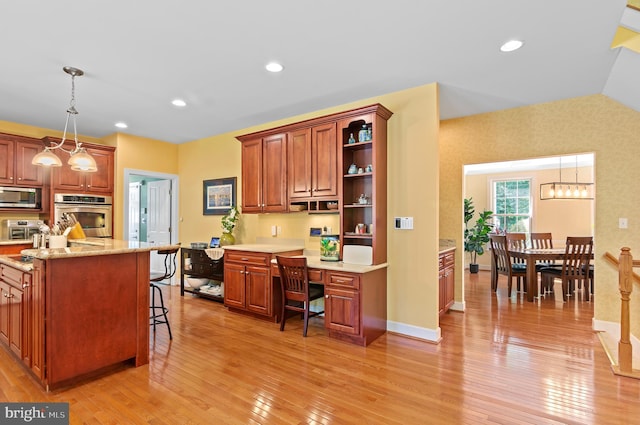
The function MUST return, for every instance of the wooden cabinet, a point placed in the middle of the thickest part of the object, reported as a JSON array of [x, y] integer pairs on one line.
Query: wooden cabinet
[[199, 265], [369, 182], [14, 320], [446, 281], [248, 286], [342, 303], [264, 174], [16, 154], [312, 163], [64, 179]]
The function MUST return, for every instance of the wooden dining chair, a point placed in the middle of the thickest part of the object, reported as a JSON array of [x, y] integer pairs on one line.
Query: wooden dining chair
[[503, 264], [297, 292], [517, 241], [544, 240], [575, 266]]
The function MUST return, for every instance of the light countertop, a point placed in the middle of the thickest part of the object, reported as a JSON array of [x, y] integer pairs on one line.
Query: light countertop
[[15, 242], [315, 262], [95, 246], [267, 248]]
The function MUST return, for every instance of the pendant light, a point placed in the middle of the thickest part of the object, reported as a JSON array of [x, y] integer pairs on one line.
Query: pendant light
[[566, 190], [79, 159]]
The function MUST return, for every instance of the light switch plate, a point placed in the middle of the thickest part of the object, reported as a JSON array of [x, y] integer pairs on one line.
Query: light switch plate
[[403, 223]]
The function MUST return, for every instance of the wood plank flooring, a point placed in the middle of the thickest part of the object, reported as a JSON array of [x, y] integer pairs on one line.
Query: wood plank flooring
[[503, 361]]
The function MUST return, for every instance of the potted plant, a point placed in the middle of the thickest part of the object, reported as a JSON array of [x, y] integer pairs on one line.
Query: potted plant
[[476, 236], [228, 224]]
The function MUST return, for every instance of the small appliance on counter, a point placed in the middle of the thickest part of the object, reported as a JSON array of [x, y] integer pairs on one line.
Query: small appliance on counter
[[18, 229]]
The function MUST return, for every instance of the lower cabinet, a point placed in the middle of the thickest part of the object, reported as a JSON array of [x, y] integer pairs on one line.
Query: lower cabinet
[[248, 286], [447, 280], [14, 311], [342, 303]]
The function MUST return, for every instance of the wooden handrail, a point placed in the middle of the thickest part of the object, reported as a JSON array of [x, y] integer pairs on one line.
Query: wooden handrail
[[626, 276], [613, 260]]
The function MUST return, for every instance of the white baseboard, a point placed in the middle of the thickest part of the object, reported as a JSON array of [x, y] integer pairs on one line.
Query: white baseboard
[[431, 335], [458, 306]]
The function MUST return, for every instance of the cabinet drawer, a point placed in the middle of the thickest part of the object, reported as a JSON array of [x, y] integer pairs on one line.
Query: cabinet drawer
[[12, 276], [316, 275], [252, 258], [199, 256], [346, 280], [449, 259]]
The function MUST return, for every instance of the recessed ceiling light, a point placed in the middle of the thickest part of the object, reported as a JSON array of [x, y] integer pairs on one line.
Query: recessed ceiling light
[[121, 124], [274, 67], [511, 45], [179, 102]]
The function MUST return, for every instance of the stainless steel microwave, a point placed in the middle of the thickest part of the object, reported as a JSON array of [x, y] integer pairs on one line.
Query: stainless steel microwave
[[20, 197]]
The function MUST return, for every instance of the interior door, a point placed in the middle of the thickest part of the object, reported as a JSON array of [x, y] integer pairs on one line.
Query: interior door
[[159, 219], [134, 211]]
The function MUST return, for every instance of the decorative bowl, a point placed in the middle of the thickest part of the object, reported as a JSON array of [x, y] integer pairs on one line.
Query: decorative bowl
[[196, 282], [332, 205]]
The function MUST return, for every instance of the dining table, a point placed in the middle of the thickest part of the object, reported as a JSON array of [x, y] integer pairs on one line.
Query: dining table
[[531, 256]]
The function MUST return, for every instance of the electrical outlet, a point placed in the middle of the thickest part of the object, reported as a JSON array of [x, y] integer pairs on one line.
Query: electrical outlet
[[274, 231], [404, 223], [623, 223]]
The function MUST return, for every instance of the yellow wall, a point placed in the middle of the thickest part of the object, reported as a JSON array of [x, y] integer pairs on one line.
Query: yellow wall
[[138, 153], [586, 124], [412, 187]]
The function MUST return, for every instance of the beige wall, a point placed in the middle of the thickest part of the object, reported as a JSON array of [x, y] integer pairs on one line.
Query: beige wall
[[560, 217], [586, 124]]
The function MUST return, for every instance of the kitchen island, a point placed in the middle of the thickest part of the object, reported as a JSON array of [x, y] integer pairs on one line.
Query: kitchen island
[[94, 299]]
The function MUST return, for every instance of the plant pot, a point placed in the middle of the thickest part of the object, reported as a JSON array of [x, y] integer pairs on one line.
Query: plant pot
[[473, 268], [227, 239]]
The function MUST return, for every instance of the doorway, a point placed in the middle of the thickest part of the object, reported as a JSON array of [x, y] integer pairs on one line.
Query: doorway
[[151, 210]]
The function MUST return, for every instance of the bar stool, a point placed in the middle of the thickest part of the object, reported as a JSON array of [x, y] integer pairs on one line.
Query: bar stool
[[159, 311]]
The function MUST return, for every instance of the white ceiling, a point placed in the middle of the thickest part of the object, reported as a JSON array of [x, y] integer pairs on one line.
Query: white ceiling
[[139, 55]]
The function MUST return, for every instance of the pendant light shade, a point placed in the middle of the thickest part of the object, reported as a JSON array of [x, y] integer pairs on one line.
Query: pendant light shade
[[79, 159], [567, 190]]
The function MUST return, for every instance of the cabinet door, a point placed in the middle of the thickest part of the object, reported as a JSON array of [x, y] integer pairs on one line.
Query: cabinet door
[[28, 174], [65, 179], [299, 163], [234, 285], [258, 284], [7, 152], [441, 292], [35, 323], [274, 173], [252, 176], [102, 180], [324, 160], [450, 283], [4, 312], [16, 321], [342, 310]]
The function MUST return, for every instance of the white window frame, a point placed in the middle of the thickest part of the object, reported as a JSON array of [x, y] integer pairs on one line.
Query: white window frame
[[492, 191]]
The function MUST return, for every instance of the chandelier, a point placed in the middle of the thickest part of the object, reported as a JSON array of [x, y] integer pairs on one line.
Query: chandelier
[[567, 190], [79, 159]]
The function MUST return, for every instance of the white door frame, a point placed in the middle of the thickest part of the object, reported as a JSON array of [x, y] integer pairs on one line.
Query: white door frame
[[128, 172]]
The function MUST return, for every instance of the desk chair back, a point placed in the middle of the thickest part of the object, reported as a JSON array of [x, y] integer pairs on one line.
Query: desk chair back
[[577, 255], [502, 263], [297, 292]]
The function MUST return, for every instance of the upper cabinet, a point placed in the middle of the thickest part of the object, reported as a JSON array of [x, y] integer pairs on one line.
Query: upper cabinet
[[16, 154], [264, 174], [313, 163], [64, 179]]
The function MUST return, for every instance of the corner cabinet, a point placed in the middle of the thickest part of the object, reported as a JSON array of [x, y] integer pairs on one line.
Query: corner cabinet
[[264, 174], [446, 280]]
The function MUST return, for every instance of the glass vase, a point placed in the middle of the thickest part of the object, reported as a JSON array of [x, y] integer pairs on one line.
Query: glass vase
[[227, 239]]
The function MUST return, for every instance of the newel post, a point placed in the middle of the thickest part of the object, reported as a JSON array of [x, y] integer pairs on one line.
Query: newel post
[[625, 282]]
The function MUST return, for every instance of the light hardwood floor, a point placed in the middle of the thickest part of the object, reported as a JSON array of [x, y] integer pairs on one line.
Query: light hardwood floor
[[504, 361]]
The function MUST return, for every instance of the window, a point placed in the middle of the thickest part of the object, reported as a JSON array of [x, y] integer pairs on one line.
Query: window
[[512, 205]]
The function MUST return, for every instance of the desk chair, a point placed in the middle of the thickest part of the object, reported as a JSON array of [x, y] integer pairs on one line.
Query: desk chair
[[503, 264], [159, 311], [297, 292], [574, 264]]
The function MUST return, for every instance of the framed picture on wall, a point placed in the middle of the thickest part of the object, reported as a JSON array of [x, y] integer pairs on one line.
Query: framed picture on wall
[[218, 195]]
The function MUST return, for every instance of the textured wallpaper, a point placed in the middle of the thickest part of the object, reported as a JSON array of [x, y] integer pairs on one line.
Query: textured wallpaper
[[587, 124]]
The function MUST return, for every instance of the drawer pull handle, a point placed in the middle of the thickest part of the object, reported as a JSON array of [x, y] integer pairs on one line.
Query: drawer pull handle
[[25, 285], [245, 259], [326, 296]]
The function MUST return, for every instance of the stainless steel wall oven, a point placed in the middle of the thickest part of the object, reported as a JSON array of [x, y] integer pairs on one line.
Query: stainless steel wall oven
[[93, 212]]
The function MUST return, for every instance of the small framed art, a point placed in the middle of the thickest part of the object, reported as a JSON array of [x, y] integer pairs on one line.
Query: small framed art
[[218, 195]]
